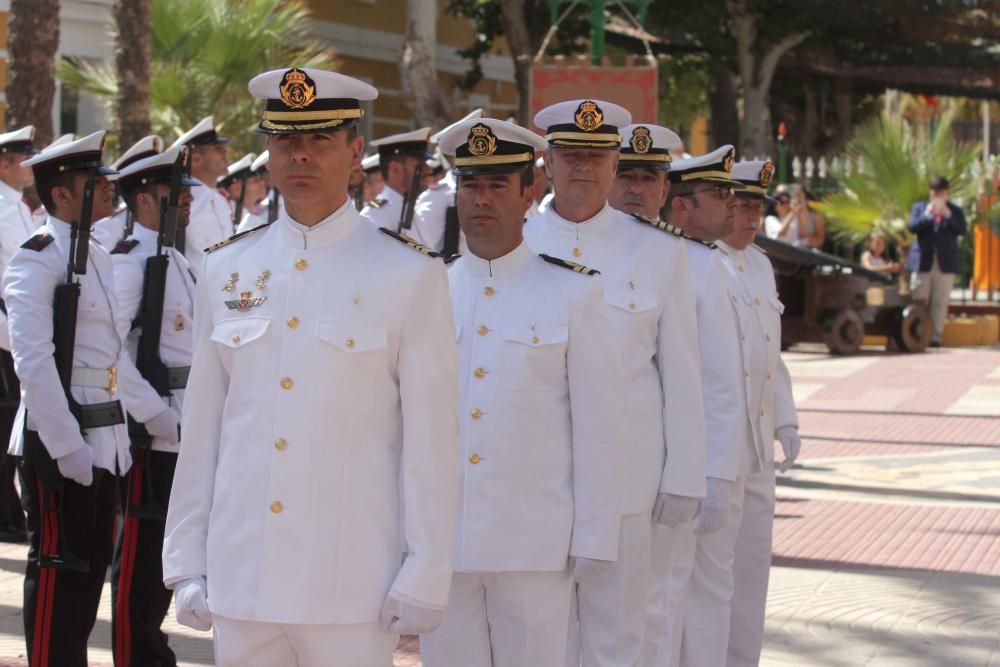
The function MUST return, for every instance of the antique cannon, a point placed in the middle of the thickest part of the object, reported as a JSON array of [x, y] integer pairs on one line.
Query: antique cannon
[[835, 301]]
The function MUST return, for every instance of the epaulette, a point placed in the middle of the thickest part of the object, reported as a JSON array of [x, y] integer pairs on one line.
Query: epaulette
[[235, 237], [124, 247], [672, 229], [378, 202], [758, 249], [573, 266], [38, 242], [419, 247]]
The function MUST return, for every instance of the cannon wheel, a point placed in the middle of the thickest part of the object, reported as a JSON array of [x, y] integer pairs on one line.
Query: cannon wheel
[[845, 332], [914, 331]]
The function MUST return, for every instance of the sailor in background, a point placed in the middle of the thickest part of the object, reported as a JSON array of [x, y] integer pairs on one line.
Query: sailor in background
[[401, 161], [267, 209], [117, 226], [245, 187]]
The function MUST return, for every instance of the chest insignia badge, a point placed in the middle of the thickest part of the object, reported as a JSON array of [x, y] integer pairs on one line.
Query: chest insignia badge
[[179, 322], [245, 302]]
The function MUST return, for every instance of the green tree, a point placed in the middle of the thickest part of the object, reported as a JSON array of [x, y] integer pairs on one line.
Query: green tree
[[203, 54], [896, 161]]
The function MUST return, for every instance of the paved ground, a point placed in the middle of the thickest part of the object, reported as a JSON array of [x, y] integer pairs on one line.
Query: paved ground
[[887, 537]]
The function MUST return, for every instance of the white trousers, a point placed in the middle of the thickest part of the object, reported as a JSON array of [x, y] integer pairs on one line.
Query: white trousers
[[502, 619], [751, 568], [609, 621], [255, 644], [934, 287], [672, 555]]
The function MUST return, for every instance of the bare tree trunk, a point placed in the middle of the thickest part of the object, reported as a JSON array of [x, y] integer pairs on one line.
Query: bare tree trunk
[[808, 142], [132, 60], [756, 74], [843, 100], [515, 28], [31, 47], [725, 125], [421, 94]]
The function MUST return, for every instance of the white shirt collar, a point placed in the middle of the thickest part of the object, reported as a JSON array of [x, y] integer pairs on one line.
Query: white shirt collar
[[501, 266], [334, 227], [587, 228]]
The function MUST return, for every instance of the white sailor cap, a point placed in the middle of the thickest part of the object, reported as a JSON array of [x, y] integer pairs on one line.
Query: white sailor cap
[[261, 162], [583, 123], [309, 100], [647, 145], [754, 177], [19, 141], [405, 143], [140, 150], [472, 115], [76, 155], [490, 146], [242, 168], [715, 167], [157, 168], [64, 139], [370, 163], [201, 134]]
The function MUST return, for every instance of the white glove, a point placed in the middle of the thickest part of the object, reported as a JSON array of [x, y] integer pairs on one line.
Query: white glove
[[713, 510], [402, 618], [78, 465], [588, 569], [788, 436], [166, 425], [191, 602], [673, 510]]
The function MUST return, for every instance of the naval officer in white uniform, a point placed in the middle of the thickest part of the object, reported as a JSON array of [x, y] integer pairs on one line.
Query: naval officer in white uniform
[[401, 160]]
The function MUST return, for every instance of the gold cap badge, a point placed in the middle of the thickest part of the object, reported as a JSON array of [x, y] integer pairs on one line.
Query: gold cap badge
[[589, 116], [297, 89], [482, 141], [767, 174], [641, 142]]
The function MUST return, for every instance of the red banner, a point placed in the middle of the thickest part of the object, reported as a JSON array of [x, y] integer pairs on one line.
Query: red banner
[[634, 88]]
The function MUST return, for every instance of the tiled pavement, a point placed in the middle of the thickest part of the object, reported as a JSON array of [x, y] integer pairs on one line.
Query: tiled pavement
[[887, 536]]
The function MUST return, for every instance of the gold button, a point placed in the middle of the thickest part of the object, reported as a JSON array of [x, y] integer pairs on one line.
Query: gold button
[[746, 372], [757, 301], [474, 459], [744, 338], [482, 330], [762, 412], [349, 342], [741, 268], [577, 252], [236, 339], [631, 306], [281, 444], [734, 299], [489, 291], [292, 322], [768, 338], [768, 376], [476, 413], [286, 383], [301, 264], [277, 507], [534, 340], [479, 372]]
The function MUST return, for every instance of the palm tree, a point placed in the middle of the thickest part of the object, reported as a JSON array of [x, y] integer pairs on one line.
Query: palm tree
[[31, 46], [203, 54], [132, 57], [896, 161]]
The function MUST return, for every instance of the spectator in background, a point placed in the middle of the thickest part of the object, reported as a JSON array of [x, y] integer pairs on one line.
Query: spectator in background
[[937, 224], [875, 258], [794, 222]]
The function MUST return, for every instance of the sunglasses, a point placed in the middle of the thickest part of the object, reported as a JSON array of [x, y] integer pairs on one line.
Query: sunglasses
[[782, 200], [721, 191]]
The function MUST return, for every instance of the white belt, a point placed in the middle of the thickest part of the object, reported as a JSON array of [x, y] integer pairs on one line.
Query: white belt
[[101, 378]]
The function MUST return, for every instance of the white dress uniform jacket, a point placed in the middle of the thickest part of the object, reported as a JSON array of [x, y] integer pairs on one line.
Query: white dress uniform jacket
[[323, 385], [388, 210], [16, 226], [110, 230], [767, 384], [28, 289], [647, 289], [176, 330], [540, 415], [211, 222], [429, 215]]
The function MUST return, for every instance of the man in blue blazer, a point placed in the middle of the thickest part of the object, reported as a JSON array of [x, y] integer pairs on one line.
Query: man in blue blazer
[[937, 224]]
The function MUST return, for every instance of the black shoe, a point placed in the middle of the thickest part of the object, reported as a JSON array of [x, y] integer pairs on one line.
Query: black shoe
[[935, 343]]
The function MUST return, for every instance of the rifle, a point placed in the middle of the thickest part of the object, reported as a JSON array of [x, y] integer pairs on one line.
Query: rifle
[[36, 456], [451, 230], [410, 200], [238, 213], [148, 361], [272, 206]]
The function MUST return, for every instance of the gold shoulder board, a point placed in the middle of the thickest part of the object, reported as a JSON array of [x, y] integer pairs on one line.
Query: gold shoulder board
[[410, 243], [234, 237], [573, 266]]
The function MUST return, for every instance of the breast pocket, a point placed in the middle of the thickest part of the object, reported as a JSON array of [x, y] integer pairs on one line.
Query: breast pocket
[[634, 302], [534, 359], [242, 344], [352, 353]]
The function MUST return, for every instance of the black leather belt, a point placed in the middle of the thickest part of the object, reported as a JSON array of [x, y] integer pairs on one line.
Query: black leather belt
[[98, 415], [177, 377]]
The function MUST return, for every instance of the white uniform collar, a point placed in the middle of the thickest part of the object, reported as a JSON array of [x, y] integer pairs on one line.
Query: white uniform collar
[[7, 192], [730, 250], [578, 230], [501, 266], [390, 195], [334, 227], [145, 235], [57, 227]]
